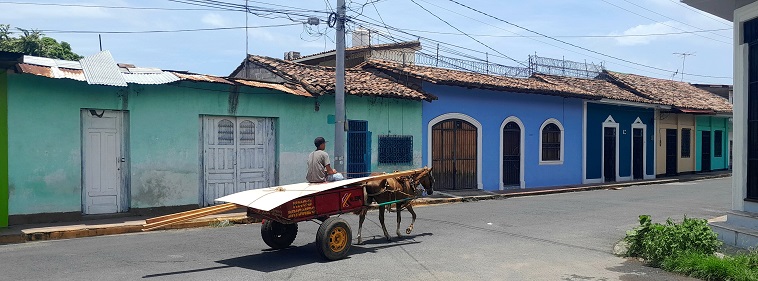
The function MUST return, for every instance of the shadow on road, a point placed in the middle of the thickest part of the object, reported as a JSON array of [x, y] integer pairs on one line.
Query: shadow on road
[[269, 260]]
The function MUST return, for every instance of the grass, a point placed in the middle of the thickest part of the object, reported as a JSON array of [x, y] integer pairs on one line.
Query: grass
[[223, 223], [741, 267]]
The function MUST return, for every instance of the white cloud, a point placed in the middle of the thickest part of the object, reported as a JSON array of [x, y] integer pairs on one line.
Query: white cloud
[[215, 20], [654, 28]]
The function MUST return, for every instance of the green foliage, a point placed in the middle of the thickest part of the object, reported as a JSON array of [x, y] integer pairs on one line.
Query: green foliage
[[656, 242], [742, 267], [35, 43]]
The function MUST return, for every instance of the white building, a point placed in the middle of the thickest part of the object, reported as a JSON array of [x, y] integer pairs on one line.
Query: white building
[[741, 225]]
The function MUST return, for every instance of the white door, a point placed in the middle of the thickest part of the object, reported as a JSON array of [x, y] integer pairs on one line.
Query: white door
[[238, 155], [102, 160]]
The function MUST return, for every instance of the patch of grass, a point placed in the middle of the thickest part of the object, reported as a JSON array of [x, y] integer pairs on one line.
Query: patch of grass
[[223, 223], [742, 267]]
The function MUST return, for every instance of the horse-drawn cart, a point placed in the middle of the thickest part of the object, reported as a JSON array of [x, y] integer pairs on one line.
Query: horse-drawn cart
[[281, 208]]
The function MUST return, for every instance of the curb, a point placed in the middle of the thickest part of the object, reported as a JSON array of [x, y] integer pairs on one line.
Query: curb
[[24, 236]]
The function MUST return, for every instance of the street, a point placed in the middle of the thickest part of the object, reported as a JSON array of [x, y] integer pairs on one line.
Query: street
[[568, 236]]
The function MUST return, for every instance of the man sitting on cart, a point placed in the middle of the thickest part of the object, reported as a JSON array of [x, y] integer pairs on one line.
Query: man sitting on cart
[[319, 168]]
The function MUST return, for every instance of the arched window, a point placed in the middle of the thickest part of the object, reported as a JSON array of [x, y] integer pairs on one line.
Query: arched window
[[225, 132], [551, 142], [247, 132]]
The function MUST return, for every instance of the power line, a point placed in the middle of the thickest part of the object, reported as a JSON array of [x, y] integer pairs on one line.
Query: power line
[[469, 36], [162, 31], [580, 47], [665, 16], [663, 23], [573, 36], [110, 7], [699, 12]]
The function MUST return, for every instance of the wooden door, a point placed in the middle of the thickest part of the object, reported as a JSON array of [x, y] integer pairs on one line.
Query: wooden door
[[638, 149], [609, 153], [672, 158], [102, 161], [454, 154], [705, 149]]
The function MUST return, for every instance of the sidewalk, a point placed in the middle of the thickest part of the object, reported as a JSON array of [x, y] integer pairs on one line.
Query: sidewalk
[[51, 231]]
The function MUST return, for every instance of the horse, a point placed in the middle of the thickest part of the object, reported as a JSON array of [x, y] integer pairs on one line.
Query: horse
[[401, 191]]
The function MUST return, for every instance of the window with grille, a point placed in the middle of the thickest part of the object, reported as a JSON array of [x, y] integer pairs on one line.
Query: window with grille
[[225, 132], [247, 132], [686, 143], [551, 143], [718, 144], [394, 149]]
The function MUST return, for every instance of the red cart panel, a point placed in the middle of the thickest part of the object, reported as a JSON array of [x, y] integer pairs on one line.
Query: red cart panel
[[322, 204]]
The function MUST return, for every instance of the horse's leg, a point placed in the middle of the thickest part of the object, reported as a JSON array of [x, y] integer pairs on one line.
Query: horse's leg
[[398, 207], [361, 218], [381, 221], [413, 219]]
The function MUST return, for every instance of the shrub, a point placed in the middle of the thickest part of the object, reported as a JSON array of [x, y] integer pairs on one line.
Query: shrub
[[710, 267], [655, 242]]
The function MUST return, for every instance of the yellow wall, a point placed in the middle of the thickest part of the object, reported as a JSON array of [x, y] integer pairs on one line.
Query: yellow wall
[[674, 121]]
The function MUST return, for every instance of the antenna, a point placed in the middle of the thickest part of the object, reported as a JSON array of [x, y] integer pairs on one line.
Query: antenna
[[684, 56]]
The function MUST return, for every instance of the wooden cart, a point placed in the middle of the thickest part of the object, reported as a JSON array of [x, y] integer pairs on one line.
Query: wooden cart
[[281, 208]]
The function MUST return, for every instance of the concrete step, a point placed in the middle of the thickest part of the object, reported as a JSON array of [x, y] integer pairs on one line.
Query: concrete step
[[734, 235], [742, 219]]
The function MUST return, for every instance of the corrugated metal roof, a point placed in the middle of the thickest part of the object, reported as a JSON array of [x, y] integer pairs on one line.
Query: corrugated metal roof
[[101, 69], [52, 62], [201, 78], [150, 78], [52, 71]]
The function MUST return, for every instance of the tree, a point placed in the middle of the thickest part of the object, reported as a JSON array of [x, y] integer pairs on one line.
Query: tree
[[35, 43]]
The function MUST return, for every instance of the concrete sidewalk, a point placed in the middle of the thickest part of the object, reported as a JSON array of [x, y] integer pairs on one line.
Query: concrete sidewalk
[[51, 231]]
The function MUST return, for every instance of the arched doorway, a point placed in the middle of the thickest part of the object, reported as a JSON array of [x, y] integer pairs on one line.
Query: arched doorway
[[454, 154], [511, 155]]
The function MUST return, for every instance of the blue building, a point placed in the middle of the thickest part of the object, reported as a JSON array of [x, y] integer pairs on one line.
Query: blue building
[[529, 129], [619, 130]]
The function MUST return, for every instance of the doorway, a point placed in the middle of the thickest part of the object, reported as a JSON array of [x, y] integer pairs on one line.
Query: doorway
[[609, 154], [638, 155], [705, 162], [103, 161], [511, 155], [454, 154], [671, 152]]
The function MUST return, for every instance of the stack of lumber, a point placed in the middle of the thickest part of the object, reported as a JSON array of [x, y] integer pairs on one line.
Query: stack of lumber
[[162, 221]]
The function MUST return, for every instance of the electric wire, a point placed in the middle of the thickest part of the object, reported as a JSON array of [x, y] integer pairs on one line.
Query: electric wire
[[665, 16]]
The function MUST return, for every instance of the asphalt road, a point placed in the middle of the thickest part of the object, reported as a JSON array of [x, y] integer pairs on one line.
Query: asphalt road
[[566, 236]]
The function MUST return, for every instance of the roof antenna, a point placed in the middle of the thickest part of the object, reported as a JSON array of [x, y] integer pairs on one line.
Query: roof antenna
[[684, 56], [100, 39]]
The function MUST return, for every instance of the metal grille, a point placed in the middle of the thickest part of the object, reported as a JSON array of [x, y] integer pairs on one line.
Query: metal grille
[[511, 154], [358, 149], [609, 154], [394, 149], [225, 132], [454, 154], [686, 143], [247, 132], [637, 159], [551, 143], [752, 111]]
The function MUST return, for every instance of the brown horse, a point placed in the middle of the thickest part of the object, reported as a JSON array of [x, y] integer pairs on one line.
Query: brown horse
[[401, 191]]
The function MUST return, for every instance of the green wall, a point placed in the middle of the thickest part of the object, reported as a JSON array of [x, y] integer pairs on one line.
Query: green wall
[[3, 149], [44, 129], [163, 135], [712, 124]]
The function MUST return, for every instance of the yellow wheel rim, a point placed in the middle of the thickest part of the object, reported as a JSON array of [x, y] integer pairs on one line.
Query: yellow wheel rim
[[337, 239]]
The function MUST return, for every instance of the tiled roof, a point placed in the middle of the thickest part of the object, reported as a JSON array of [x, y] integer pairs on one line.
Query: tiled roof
[[319, 80], [678, 94], [399, 45], [445, 76], [599, 87]]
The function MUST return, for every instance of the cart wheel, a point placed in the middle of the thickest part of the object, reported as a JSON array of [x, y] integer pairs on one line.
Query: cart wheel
[[334, 238], [278, 235]]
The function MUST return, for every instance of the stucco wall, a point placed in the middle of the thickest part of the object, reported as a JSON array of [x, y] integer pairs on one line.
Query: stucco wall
[[164, 128], [713, 124], [44, 144], [3, 149], [491, 108], [624, 116], [678, 122]]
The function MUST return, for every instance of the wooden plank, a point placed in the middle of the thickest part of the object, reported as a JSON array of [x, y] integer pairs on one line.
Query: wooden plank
[[200, 213], [169, 216]]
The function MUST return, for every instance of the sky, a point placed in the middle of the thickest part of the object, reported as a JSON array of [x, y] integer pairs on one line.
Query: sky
[[644, 37]]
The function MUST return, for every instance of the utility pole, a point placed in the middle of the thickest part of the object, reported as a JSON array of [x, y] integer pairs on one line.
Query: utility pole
[[339, 92], [684, 56]]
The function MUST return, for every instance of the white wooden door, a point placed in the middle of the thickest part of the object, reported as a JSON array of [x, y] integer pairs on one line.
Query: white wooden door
[[102, 161], [238, 155]]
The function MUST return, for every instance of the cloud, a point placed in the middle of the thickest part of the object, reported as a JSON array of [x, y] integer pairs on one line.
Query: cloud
[[654, 28], [215, 20], [57, 12]]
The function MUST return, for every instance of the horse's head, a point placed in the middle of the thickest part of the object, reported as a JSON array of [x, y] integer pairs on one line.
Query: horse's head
[[426, 180]]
